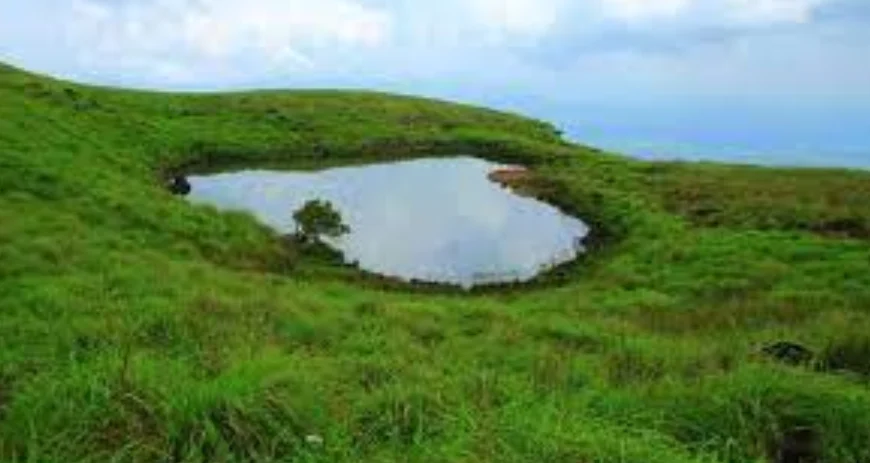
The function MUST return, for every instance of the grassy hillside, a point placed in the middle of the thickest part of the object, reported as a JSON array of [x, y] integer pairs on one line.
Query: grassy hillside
[[136, 327]]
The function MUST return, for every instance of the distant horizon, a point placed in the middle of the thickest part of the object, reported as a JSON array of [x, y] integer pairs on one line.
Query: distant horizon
[[765, 81], [827, 137], [775, 82]]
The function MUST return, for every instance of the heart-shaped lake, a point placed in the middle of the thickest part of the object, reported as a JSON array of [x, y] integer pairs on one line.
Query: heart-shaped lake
[[437, 219]]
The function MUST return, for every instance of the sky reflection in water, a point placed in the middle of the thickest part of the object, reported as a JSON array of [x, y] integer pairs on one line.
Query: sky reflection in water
[[438, 220]]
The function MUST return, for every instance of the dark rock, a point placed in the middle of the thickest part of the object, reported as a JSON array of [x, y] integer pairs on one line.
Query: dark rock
[[799, 445], [789, 352], [179, 185]]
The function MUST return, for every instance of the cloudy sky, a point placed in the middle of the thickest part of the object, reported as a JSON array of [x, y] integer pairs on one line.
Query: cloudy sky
[[547, 57]]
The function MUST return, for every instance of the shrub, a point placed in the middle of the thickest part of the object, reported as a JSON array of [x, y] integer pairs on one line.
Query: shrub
[[318, 218]]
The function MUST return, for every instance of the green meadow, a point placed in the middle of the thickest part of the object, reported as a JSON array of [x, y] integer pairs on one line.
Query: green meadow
[[137, 327]]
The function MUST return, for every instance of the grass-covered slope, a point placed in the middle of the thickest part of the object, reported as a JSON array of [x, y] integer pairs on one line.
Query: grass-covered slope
[[135, 327]]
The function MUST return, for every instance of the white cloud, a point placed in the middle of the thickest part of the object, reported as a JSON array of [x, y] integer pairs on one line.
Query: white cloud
[[522, 17], [711, 12], [564, 48], [773, 11], [638, 10], [164, 37]]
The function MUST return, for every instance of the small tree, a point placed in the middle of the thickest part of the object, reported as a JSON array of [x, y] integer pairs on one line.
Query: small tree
[[318, 218]]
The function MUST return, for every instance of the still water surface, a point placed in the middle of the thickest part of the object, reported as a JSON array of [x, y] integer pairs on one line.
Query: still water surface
[[437, 220]]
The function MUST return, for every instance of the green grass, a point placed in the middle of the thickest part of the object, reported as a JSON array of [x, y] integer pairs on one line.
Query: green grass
[[136, 327]]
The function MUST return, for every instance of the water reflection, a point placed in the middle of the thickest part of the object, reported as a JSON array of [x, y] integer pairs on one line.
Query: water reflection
[[438, 220]]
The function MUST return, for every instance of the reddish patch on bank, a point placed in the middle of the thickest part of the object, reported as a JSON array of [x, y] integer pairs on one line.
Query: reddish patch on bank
[[510, 176]]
